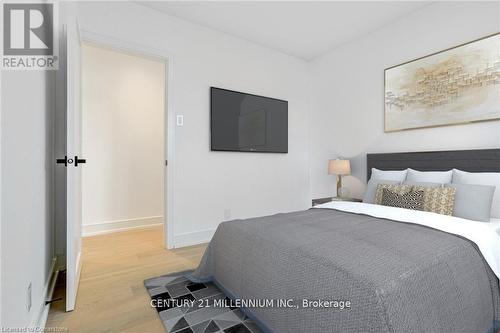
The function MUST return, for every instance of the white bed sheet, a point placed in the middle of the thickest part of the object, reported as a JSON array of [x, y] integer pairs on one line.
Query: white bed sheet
[[485, 235], [495, 225]]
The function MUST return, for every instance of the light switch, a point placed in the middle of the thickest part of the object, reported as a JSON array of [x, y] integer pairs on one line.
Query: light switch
[[180, 120]]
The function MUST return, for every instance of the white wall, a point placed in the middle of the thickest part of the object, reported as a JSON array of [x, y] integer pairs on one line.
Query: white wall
[[27, 111], [123, 139], [206, 183], [347, 113]]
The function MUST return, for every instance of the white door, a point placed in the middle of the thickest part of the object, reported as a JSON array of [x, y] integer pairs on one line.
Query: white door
[[75, 162]]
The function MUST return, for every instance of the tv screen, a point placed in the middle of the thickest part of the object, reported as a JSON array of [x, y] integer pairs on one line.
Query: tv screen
[[245, 122]]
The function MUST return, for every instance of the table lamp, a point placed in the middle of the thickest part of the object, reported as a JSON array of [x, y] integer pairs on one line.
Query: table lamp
[[340, 168]]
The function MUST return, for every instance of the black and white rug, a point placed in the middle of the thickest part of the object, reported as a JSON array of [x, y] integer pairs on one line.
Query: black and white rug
[[188, 307]]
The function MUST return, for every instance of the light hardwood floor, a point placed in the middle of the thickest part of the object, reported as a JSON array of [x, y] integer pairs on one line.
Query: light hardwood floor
[[111, 296]]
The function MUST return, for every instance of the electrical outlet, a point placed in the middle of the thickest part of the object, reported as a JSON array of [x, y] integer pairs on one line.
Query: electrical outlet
[[227, 214], [28, 297], [180, 120]]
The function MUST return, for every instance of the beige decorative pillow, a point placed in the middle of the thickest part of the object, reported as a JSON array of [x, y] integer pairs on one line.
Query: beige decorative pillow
[[438, 199], [400, 189]]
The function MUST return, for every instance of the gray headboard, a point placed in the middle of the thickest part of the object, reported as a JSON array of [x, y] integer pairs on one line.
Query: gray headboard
[[479, 160]]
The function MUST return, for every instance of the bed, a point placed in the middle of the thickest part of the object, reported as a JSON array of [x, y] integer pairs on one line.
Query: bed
[[398, 270]]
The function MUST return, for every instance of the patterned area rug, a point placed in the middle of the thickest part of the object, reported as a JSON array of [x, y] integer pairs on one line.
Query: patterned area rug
[[187, 307]]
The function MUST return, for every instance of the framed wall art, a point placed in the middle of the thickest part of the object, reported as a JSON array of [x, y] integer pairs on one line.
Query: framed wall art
[[454, 86]]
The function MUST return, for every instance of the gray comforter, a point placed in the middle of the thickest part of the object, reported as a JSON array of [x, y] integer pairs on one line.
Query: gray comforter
[[398, 277]]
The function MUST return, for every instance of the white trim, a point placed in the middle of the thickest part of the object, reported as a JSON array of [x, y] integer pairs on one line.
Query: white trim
[[120, 225], [144, 50], [193, 238], [169, 196], [43, 311], [1, 206]]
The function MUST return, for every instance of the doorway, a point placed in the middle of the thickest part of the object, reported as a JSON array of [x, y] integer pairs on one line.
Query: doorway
[[69, 150], [123, 139]]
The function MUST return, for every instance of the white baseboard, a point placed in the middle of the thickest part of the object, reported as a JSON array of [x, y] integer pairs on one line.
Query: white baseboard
[[121, 225], [40, 319], [193, 238]]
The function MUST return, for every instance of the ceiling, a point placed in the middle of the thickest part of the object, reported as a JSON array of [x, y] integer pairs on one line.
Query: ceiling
[[304, 29]]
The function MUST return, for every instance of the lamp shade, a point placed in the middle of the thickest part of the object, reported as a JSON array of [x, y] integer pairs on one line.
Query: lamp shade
[[339, 167]]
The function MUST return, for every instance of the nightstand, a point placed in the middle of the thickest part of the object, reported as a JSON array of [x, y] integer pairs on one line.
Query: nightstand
[[320, 201]]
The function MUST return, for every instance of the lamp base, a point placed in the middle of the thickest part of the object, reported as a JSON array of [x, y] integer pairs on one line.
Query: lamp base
[[343, 192]]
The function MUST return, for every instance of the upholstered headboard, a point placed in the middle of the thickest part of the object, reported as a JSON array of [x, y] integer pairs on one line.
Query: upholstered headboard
[[479, 160]]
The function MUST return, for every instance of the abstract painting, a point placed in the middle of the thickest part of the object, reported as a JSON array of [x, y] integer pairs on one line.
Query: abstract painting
[[458, 85]]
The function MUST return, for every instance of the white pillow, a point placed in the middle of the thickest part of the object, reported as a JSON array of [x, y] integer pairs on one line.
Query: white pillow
[[481, 178], [397, 175], [440, 177]]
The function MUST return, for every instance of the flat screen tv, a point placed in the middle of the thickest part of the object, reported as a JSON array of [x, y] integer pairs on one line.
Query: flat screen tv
[[247, 123]]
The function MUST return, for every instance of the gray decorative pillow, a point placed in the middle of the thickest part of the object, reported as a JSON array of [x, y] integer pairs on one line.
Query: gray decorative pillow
[[473, 202], [481, 178], [371, 189], [411, 200]]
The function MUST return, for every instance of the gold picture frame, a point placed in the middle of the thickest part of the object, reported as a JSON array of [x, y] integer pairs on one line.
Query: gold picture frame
[[454, 86]]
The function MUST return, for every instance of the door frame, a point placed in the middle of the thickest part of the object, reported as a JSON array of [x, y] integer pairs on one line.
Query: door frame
[[169, 118]]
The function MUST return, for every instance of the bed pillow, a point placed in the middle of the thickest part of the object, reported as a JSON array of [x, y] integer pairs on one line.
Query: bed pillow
[[371, 189], [410, 200], [423, 184], [473, 202], [440, 177], [437, 199], [396, 188], [481, 178], [394, 175]]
